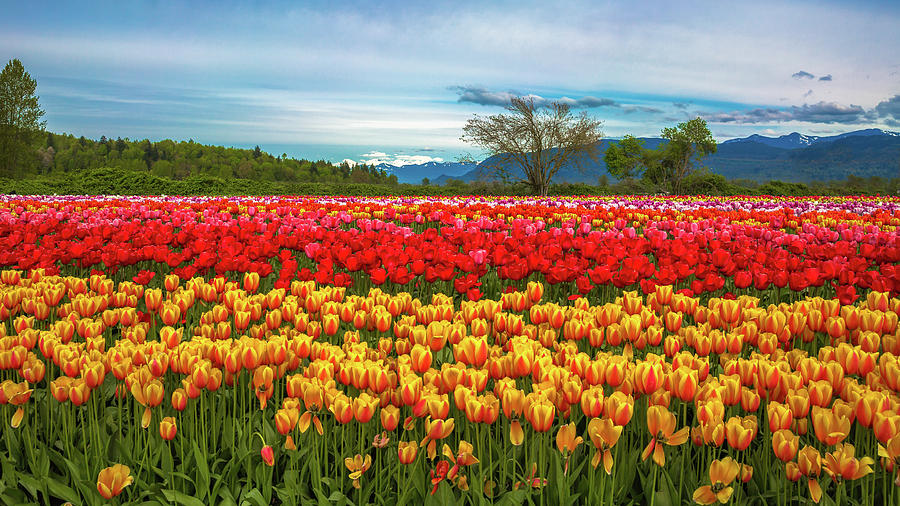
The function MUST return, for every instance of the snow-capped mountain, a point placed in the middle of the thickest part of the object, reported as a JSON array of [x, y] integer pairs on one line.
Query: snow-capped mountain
[[795, 140], [414, 174]]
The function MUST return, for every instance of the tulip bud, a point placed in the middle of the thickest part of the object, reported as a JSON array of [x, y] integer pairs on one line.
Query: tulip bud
[[268, 455]]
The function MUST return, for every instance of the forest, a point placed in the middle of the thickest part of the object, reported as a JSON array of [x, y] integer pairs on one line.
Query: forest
[[60, 154]]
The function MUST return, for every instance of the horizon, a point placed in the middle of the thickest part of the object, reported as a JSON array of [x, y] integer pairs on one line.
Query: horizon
[[395, 84]]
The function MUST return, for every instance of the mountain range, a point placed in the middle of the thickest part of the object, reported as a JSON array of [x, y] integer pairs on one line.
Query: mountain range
[[793, 157]]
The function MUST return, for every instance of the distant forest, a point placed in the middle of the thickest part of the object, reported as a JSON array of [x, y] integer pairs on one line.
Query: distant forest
[[59, 154]]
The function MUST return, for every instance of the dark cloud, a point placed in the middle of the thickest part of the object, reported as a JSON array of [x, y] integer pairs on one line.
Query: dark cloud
[[681, 105], [587, 102], [802, 75], [889, 108], [822, 112], [825, 78], [483, 96], [638, 108], [808, 93]]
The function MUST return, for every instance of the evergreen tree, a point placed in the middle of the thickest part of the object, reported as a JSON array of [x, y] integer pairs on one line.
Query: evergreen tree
[[20, 117]]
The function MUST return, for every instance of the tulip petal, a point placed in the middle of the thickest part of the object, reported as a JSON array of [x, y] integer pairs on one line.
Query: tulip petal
[[516, 434], [679, 437], [648, 450], [607, 461], [704, 495], [17, 418], [659, 456], [145, 418], [815, 491], [303, 423], [725, 494]]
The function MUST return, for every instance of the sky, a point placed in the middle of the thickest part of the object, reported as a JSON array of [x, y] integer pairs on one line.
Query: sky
[[396, 81]]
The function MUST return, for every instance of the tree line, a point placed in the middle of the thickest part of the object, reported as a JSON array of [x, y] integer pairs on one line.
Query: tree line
[[27, 150], [58, 154]]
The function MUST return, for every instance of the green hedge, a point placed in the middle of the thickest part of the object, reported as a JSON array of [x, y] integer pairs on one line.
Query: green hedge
[[115, 181]]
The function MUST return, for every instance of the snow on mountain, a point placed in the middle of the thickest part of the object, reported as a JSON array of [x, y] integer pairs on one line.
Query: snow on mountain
[[795, 140], [414, 173]]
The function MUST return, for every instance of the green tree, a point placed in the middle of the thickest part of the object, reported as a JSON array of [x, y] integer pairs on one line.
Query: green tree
[[20, 116], [533, 143], [676, 159], [627, 158]]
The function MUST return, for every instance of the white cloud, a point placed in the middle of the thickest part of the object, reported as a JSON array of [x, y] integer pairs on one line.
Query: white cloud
[[374, 154], [349, 162], [370, 75]]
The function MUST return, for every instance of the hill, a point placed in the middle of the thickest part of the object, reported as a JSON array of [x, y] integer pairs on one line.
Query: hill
[[793, 158], [414, 173], [60, 155]]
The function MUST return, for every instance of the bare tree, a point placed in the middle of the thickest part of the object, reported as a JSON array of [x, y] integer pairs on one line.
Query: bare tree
[[533, 143]]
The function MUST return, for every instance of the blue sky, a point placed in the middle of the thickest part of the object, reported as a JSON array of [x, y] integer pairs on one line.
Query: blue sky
[[389, 81]]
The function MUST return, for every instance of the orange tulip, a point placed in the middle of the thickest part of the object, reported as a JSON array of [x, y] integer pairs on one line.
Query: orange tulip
[[16, 394], [342, 409], [437, 429], [357, 466], [784, 444], [566, 441], [721, 474], [820, 393], [286, 420], [798, 403], [464, 456], [604, 434], [364, 407], [885, 425], [619, 407], [268, 455], [661, 424], [740, 431], [390, 417], [112, 480], [684, 383], [830, 428], [869, 404], [421, 358], [842, 464], [168, 428], [406, 451], [648, 376], [541, 413], [809, 462], [792, 471], [890, 452], [592, 402]]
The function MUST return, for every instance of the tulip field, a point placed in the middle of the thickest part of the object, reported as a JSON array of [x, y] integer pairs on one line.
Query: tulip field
[[559, 351]]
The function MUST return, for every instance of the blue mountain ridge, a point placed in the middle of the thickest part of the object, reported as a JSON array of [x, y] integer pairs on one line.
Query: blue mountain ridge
[[793, 157]]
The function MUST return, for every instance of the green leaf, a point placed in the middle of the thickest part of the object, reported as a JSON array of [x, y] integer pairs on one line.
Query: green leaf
[[513, 498], [202, 481], [60, 491], [31, 484], [167, 462], [253, 498], [227, 498], [444, 495], [174, 496]]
